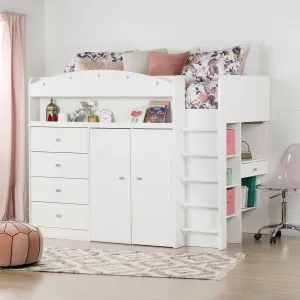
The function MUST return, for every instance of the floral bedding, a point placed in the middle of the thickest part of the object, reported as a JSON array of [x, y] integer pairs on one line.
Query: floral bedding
[[202, 71], [201, 95]]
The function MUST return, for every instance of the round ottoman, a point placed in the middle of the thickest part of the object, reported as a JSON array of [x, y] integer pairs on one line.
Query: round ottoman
[[20, 244]]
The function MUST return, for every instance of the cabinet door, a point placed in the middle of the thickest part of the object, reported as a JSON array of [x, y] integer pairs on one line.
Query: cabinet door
[[150, 187], [110, 185]]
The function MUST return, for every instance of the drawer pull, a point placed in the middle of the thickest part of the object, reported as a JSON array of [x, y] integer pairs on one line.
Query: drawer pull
[[58, 140], [139, 178], [121, 178], [58, 165], [58, 216], [58, 190], [255, 169]]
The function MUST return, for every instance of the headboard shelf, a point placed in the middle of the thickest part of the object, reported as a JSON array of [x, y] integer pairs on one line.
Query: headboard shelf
[[102, 125]]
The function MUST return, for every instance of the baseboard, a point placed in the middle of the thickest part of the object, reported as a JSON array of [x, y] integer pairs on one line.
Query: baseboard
[[65, 234]]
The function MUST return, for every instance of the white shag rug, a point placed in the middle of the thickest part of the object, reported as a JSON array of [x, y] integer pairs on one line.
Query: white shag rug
[[205, 266]]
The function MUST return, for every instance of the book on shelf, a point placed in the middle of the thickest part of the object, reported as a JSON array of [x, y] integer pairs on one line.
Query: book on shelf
[[138, 115], [245, 190], [157, 112]]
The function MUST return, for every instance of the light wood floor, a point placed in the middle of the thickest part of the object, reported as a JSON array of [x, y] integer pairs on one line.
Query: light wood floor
[[268, 272]]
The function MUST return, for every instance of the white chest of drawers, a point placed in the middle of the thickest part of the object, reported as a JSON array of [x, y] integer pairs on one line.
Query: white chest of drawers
[[59, 181]]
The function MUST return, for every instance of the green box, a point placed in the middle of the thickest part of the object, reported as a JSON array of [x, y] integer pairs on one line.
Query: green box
[[250, 182]]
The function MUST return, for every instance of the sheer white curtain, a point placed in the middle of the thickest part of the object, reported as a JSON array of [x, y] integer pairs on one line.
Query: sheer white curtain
[[1, 42], [12, 116]]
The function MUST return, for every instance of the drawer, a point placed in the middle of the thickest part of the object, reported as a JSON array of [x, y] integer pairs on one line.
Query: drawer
[[64, 216], [59, 190], [254, 168], [74, 140], [67, 165]]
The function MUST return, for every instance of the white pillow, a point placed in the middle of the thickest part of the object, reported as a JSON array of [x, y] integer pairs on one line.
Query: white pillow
[[138, 61]]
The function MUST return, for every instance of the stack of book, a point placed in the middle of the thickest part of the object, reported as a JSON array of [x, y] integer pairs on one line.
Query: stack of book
[[157, 112], [245, 192]]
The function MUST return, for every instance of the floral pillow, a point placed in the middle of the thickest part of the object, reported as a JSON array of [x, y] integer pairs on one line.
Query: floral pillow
[[109, 58], [201, 95], [208, 66]]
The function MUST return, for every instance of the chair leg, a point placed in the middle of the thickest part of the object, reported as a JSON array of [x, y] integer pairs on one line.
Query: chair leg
[[277, 227], [269, 226], [294, 227], [275, 231]]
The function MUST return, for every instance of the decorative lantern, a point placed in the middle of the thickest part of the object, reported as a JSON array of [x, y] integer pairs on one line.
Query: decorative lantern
[[51, 112]]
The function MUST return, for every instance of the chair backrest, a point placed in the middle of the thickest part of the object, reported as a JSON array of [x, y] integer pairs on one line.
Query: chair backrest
[[291, 157], [287, 175]]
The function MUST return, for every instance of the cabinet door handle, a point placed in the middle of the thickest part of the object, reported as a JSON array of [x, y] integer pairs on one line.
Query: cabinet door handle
[[121, 178], [58, 165], [139, 178], [58, 216], [255, 169], [58, 140], [58, 190]]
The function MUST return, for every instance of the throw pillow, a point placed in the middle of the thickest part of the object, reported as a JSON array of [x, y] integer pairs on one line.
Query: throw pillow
[[138, 61], [83, 64], [208, 66], [105, 57], [163, 64]]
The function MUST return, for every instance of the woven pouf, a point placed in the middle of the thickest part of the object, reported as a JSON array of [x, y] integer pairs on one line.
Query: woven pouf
[[20, 244]]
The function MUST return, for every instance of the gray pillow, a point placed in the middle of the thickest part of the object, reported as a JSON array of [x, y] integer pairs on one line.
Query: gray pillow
[[138, 61]]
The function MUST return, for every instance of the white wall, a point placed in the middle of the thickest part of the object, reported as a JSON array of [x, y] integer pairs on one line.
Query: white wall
[[274, 27], [35, 10]]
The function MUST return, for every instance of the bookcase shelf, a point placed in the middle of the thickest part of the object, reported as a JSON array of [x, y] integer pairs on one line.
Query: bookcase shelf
[[248, 208], [231, 216]]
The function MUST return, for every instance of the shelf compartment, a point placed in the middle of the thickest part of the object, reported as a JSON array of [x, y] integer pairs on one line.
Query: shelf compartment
[[250, 182]]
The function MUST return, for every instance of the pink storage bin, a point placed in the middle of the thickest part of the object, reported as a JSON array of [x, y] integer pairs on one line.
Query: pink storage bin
[[230, 202], [230, 142]]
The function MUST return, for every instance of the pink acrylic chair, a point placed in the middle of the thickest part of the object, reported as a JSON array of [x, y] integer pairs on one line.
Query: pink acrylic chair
[[286, 178]]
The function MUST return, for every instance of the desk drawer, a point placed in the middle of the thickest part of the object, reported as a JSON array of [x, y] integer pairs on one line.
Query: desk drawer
[[64, 216], [59, 190], [66, 165], [254, 168], [74, 140]]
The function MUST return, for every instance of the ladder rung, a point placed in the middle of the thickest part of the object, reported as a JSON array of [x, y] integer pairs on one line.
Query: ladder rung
[[190, 205], [188, 180], [199, 130], [198, 155], [190, 230]]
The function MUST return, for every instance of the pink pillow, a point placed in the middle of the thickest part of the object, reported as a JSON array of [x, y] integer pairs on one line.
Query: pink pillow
[[163, 64]]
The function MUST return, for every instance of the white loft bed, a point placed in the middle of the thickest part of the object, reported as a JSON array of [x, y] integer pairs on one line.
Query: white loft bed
[[197, 206]]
